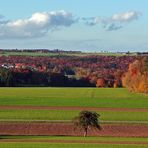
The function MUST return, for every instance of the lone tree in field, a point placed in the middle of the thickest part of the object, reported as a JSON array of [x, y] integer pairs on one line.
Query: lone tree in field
[[86, 120]]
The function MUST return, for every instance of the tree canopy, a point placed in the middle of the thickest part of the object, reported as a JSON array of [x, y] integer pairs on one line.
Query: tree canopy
[[86, 120], [136, 79]]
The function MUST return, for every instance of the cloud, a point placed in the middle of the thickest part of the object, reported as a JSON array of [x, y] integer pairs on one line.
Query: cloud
[[37, 25], [126, 17], [115, 22], [91, 21], [113, 27], [40, 23]]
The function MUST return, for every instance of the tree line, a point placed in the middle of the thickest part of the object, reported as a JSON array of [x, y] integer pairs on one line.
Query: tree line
[[87, 71], [39, 79]]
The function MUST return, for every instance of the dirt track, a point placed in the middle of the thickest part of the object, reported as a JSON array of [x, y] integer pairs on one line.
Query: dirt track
[[31, 128], [71, 108]]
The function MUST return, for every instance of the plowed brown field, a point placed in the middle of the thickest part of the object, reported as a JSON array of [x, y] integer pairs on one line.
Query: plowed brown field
[[67, 129]]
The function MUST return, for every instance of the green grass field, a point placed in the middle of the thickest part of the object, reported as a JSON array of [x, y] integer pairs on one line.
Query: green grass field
[[60, 54], [109, 139], [48, 145], [89, 97], [63, 115], [66, 145]]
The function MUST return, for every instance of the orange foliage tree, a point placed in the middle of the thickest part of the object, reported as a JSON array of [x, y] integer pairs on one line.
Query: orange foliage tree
[[100, 82], [136, 79]]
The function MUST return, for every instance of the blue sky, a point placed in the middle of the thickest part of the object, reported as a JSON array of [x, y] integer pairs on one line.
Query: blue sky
[[87, 25]]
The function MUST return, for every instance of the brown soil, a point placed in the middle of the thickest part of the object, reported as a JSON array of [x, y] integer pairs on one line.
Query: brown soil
[[67, 129], [71, 108]]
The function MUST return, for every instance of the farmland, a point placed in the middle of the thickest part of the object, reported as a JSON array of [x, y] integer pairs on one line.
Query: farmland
[[49, 145], [49, 111], [64, 115], [81, 54], [72, 142], [89, 97]]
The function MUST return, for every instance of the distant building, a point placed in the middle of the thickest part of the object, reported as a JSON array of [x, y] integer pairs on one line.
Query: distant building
[[7, 66]]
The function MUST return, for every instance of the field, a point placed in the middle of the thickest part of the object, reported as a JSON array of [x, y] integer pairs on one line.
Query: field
[[55, 145], [49, 111], [74, 142], [64, 115], [13, 53], [89, 97]]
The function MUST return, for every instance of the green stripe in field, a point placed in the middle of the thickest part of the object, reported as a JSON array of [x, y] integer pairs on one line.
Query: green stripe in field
[[93, 97], [37, 142], [8, 115], [49, 145], [109, 139], [50, 54]]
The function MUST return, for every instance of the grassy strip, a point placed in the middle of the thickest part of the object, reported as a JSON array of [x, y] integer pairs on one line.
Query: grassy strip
[[48, 145], [69, 115], [5, 53], [88, 97], [109, 139]]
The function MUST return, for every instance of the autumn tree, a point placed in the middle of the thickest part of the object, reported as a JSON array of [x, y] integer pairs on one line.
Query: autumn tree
[[117, 78], [100, 82], [86, 120], [136, 79]]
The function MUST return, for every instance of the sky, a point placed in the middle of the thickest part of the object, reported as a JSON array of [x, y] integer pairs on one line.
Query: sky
[[86, 25]]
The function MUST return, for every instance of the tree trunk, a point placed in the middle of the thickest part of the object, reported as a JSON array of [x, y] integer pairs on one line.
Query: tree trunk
[[85, 132]]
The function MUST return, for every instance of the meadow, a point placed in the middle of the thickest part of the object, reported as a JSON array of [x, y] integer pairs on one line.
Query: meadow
[[51, 54], [55, 145], [85, 97], [76, 142], [119, 139], [67, 116]]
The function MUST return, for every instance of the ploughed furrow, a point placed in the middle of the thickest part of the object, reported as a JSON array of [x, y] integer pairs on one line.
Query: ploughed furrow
[[67, 129]]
